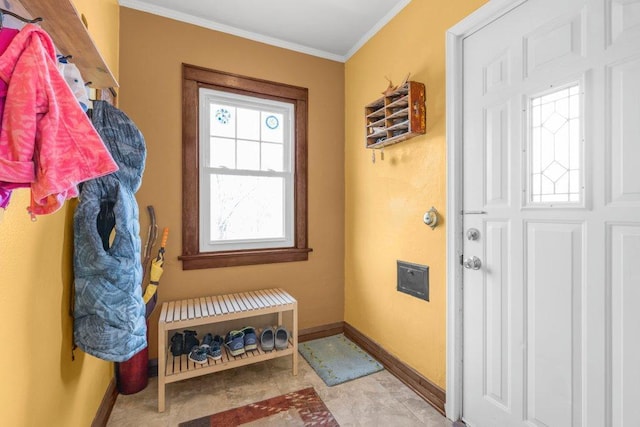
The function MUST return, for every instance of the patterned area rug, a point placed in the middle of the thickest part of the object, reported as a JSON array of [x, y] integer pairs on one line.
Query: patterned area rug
[[337, 359], [300, 408]]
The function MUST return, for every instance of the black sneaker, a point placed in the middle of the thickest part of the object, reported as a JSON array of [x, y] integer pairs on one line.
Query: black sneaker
[[207, 340], [177, 344], [213, 346], [190, 341]]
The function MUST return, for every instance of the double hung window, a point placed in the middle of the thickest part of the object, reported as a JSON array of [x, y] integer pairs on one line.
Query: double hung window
[[246, 180], [248, 140]]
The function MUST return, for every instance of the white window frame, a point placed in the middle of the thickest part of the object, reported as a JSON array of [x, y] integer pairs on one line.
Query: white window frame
[[208, 96]]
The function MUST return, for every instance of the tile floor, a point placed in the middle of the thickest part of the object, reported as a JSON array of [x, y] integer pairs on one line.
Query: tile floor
[[379, 399]]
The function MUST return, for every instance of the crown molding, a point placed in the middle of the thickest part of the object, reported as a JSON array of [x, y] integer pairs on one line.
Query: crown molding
[[216, 26], [377, 27]]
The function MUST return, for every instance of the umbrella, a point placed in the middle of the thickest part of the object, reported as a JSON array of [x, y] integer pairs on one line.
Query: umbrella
[[151, 241], [150, 296]]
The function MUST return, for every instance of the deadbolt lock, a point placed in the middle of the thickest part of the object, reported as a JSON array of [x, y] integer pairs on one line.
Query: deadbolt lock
[[473, 234], [472, 263]]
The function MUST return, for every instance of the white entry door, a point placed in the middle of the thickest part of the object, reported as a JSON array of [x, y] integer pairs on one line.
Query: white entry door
[[551, 215]]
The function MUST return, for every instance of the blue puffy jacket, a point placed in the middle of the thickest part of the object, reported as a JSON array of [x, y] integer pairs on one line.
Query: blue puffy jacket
[[109, 311]]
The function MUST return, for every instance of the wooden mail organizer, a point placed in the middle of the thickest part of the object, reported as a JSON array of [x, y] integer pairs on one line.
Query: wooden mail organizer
[[196, 312]]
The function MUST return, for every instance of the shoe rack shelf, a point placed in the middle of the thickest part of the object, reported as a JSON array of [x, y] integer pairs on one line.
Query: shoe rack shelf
[[190, 313], [397, 116]]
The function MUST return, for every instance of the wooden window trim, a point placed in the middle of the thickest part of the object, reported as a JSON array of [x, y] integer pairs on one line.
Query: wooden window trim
[[193, 78]]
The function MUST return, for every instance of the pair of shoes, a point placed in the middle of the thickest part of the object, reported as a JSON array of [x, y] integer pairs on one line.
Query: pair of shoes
[[212, 346], [237, 342], [274, 338], [182, 344], [190, 341], [234, 341], [177, 344], [198, 354]]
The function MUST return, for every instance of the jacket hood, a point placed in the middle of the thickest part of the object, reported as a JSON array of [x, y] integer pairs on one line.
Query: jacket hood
[[9, 58], [124, 141]]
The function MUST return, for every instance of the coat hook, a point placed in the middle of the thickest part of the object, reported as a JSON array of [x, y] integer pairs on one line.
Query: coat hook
[[21, 18]]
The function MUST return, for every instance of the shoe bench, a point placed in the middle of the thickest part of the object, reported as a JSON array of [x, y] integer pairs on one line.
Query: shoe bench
[[190, 313]]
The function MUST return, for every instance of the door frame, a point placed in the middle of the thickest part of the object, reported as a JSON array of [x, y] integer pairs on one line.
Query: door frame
[[489, 12]]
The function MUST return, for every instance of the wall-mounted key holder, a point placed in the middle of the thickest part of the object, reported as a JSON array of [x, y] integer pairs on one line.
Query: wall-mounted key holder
[[397, 116]]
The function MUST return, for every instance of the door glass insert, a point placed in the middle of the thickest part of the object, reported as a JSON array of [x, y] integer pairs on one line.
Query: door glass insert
[[555, 159]]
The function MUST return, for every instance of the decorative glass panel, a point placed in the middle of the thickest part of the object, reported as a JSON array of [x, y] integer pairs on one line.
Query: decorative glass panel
[[555, 147], [272, 127], [246, 207], [223, 120]]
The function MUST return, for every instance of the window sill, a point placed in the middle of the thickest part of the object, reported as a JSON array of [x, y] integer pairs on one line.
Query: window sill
[[236, 258]]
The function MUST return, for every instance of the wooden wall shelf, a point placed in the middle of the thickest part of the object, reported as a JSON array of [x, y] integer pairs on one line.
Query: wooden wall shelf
[[397, 116], [62, 22]]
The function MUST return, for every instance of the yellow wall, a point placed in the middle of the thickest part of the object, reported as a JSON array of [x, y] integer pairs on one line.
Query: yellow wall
[[41, 385], [103, 24], [152, 51], [385, 201]]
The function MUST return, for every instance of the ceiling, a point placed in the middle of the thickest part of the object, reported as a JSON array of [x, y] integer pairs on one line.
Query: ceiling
[[332, 29]]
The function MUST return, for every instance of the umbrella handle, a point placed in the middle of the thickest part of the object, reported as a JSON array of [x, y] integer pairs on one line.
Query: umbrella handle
[[165, 236], [151, 240]]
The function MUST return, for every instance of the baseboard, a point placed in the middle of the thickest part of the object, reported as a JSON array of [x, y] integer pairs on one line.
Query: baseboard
[[106, 406], [430, 392], [320, 331]]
